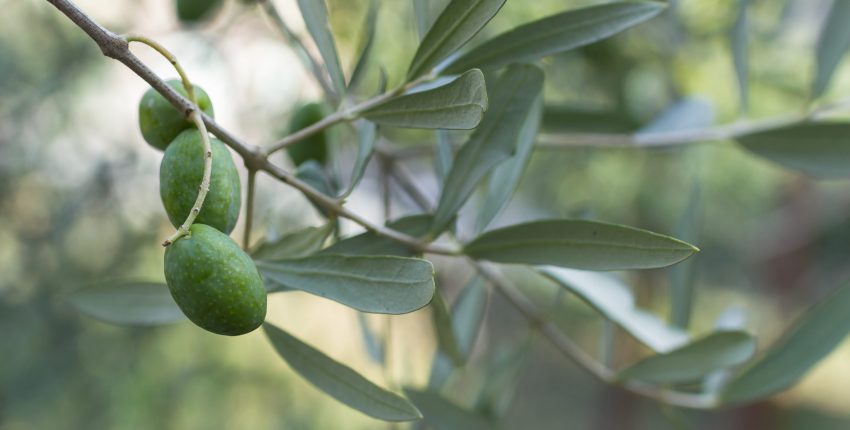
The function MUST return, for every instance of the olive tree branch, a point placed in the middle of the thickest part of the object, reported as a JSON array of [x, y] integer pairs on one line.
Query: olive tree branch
[[116, 47], [296, 42], [682, 137], [540, 321]]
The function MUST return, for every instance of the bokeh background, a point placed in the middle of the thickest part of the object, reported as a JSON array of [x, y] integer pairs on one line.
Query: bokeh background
[[79, 203]]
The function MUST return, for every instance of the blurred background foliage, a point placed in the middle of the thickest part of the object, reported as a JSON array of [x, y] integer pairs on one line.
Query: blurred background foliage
[[79, 203]]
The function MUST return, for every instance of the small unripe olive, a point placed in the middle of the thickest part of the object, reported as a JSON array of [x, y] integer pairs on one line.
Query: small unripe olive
[[160, 122], [180, 176], [214, 282], [193, 11], [314, 147]]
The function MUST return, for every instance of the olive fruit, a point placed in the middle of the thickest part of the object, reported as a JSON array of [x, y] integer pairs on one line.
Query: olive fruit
[[214, 282], [193, 11], [180, 176], [314, 147], [160, 122]]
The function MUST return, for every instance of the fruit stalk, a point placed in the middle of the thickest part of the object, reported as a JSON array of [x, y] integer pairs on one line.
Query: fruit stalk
[[204, 188]]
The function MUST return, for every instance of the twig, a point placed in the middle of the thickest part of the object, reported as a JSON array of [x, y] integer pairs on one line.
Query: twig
[[116, 47], [249, 209]]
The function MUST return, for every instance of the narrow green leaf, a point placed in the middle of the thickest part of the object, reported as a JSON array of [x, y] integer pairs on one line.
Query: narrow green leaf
[[297, 244], [443, 156], [366, 44], [579, 244], [740, 56], [695, 360], [441, 370], [491, 143], [312, 173], [614, 301], [421, 15], [810, 339], [374, 346], [502, 376], [131, 303], [369, 243], [459, 21], [557, 33], [833, 42], [367, 135], [445, 415], [817, 149], [340, 381], [378, 284], [443, 326], [459, 104], [505, 177], [468, 315], [682, 275], [315, 15]]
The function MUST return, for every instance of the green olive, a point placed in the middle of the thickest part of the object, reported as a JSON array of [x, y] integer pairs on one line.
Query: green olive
[[214, 282], [194, 11], [160, 122], [180, 176], [314, 147]]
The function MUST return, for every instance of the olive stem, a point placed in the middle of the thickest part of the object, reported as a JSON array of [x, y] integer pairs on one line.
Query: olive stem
[[204, 188], [190, 89], [249, 209]]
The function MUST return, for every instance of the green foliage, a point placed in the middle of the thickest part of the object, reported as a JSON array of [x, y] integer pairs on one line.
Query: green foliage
[[694, 361], [214, 282], [833, 43], [808, 341], [459, 21], [160, 122], [459, 104], [379, 284], [340, 381], [131, 303], [195, 11], [314, 147], [579, 244], [817, 149], [443, 414], [315, 15], [557, 33], [180, 176], [493, 142]]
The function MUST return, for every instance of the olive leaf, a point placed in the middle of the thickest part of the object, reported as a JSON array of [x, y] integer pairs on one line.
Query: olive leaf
[[445, 415], [340, 381], [367, 136], [459, 21], [614, 300], [460, 104], [740, 55], [442, 320], [817, 149], [812, 337], [315, 15], [377, 284], [492, 142], [833, 43], [556, 33], [367, 42], [579, 244], [124, 302], [296, 244], [694, 361]]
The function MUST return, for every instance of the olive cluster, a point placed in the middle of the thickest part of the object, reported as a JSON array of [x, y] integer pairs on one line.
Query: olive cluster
[[213, 281]]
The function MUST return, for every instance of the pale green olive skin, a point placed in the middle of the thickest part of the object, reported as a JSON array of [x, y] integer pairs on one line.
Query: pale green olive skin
[[180, 175], [215, 283], [160, 122]]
